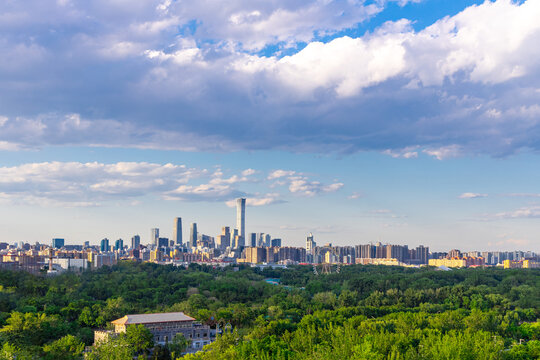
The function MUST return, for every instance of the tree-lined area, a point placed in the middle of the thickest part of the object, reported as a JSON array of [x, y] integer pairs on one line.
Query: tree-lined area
[[364, 312]]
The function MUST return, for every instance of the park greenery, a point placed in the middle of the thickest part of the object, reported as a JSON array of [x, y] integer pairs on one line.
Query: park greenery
[[362, 312]]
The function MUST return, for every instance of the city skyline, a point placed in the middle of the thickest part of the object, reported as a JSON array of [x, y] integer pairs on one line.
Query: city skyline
[[406, 122]]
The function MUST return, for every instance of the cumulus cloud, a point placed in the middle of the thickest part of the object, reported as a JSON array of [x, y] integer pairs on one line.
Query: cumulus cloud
[[300, 184], [276, 174], [470, 195], [407, 153], [174, 75], [89, 183], [444, 152], [259, 200], [355, 195], [92, 184], [528, 212]]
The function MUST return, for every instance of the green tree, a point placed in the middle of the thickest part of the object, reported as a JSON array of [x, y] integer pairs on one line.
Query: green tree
[[161, 352], [178, 345], [115, 348], [66, 348], [140, 338]]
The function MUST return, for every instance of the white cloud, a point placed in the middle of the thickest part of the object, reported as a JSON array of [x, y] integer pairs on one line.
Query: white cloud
[[276, 174], [470, 195], [183, 77], [209, 192], [530, 212], [6, 145], [406, 153], [91, 184], [355, 195], [259, 200], [249, 172], [444, 152], [85, 184], [302, 186]]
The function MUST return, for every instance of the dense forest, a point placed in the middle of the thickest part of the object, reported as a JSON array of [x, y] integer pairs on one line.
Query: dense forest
[[362, 312]]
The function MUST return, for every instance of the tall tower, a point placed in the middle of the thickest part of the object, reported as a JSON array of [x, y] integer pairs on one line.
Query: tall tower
[[226, 233], [310, 244], [193, 235], [241, 217], [177, 231], [154, 236], [135, 241]]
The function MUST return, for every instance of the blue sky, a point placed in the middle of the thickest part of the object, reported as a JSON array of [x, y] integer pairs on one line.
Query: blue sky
[[411, 122]]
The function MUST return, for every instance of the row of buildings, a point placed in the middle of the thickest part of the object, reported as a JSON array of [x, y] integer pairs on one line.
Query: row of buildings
[[233, 245]]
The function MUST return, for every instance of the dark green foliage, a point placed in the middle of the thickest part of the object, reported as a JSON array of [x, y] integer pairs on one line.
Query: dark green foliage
[[364, 312], [140, 338]]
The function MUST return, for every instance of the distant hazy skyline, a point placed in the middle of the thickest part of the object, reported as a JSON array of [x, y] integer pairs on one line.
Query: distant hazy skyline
[[407, 122]]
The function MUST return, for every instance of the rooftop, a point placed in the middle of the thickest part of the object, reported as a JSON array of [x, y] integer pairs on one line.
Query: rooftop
[[152, 318]]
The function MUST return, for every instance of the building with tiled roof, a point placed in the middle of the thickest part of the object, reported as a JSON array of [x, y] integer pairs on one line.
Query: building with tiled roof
[[164, 327]]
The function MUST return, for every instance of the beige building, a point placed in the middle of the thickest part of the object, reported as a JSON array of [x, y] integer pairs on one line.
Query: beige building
[[164, 327]]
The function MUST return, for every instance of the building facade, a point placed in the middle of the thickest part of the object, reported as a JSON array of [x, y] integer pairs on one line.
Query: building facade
[[165, 326], [177, 231], [193, 235], [241, 217]]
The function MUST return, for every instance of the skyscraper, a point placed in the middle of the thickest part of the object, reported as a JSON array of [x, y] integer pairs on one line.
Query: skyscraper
[[105, 245], [154, 236], [241, 217], [57, 243], [163, 242], [253, 240], [310, 244], [224, 240], [135, 241], [193, 235], [119, 245], [177, 231]]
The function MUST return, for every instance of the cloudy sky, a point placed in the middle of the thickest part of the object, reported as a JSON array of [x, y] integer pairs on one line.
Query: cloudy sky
[[401, 121]]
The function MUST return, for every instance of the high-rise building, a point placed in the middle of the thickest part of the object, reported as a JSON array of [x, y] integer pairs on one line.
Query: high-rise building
[[380, 251], [310, 244], [177, 231], [163, 242], [154, 236], [276, 242], [224, 240], [193, 235], [119, 245], [105, 245], [260, 239], [57, 243], [252, 240], [241, 217], [86, 244], [454, 253], [255, 255], [234, 238], [239, 242], [422, 254], [135, 241]]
